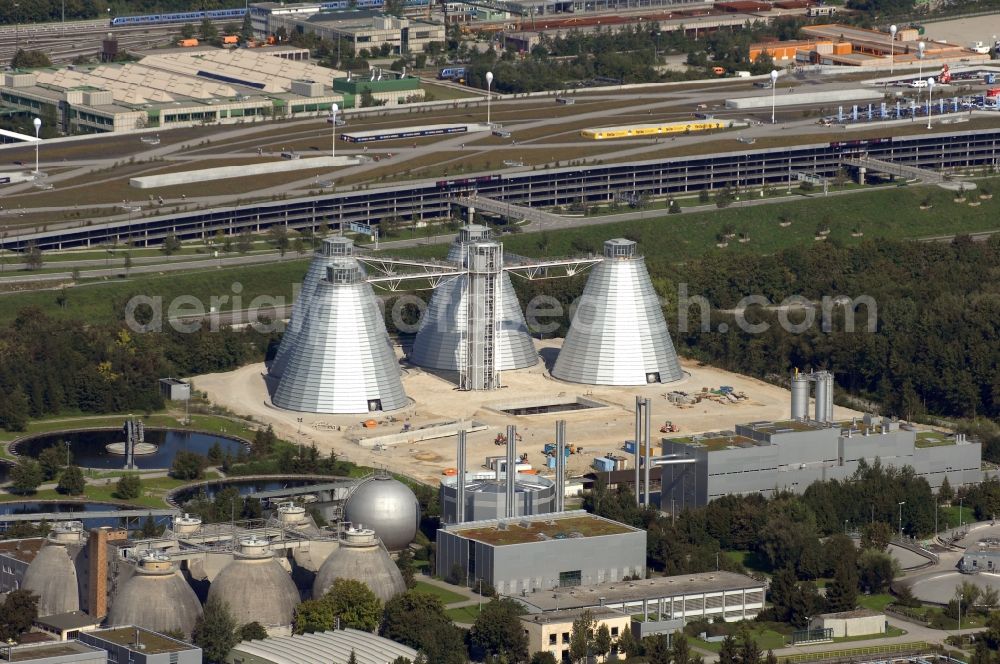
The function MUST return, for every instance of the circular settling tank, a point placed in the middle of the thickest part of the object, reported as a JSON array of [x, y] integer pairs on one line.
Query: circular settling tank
[[89, 448], [940, 588]]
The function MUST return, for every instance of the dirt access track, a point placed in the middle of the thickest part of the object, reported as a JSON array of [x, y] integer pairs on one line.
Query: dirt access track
[[435, 399]]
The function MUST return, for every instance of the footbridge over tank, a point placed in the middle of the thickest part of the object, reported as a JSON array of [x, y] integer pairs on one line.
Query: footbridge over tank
[[864, 164], [508, 210]]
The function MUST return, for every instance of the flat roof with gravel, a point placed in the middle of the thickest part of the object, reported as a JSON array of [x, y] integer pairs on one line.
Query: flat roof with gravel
[[544, 527]]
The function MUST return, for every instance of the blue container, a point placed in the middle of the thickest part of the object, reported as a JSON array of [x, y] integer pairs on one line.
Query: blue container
[[603, 464], [550, 462]]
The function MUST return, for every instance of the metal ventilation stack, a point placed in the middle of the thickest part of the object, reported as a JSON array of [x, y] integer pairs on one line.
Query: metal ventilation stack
[[444, 331], [341, 360], [331, 249], [618, 335]]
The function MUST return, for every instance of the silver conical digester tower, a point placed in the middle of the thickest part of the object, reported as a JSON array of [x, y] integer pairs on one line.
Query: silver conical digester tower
[[341, 360], [330, 250], [442, 339], [618, 335]]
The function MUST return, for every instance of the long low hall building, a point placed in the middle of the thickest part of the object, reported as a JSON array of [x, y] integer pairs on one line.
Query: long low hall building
[[761, 457], [686, 597]]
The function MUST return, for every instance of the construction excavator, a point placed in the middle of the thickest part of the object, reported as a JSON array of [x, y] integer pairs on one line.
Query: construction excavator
[[669, 427], [501, 439]]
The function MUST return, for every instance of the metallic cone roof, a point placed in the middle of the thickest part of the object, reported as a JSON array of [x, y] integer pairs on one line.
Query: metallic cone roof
[[330, 250], [618, 335], [341, 360], [438, 344]]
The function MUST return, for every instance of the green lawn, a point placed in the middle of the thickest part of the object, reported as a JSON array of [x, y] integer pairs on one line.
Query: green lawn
[[669, 239], [767, 639], [889, 633], [465, 614], [153, 492], [445, 595], [104, 301], [664, 239], [948, 516], [674, 238], [751, 560], [208, 423], [875, 602]]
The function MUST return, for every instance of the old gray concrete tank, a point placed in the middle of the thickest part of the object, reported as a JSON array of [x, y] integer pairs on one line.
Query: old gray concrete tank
[[361, 557], [157, 598], [52, 575], [257, 588], [388, 507]]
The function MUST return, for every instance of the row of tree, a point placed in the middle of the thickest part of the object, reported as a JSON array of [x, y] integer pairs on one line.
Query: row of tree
[[799, 539], [51, 365]]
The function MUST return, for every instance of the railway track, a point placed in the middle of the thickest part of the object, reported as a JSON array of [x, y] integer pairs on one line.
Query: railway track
[[83, 37]]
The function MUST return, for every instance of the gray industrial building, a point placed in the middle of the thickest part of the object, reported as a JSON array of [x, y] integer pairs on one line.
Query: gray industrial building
[[64, 652], [139, 646], [485, 499], [531, 553], [15, 557], [983, 556], [685, 597], [761, 457]]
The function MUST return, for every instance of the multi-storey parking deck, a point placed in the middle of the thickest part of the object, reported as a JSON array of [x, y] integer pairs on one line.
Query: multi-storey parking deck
[[550, 187]]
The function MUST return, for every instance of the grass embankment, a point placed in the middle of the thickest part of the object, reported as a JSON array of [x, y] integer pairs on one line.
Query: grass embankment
[[889, 213], [446, 596], [892, 213], [104, 301], [154, 491], [65, 422]]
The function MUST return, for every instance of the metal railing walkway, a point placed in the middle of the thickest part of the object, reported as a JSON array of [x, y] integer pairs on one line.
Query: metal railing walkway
[[506, 209]]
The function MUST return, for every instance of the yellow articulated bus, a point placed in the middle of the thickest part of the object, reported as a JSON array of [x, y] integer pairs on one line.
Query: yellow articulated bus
[[652, 130]]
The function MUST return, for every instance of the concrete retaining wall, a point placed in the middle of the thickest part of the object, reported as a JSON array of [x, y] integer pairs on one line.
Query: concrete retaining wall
[[224, 172], [785, 99], [426, 433]]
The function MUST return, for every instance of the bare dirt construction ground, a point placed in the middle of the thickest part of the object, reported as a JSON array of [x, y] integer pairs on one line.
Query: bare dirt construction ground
[[434, 399]]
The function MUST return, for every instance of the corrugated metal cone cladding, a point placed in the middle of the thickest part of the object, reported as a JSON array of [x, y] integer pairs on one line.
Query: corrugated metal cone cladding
[[331, 249], [438, 344], [341, 359], [618, 335]]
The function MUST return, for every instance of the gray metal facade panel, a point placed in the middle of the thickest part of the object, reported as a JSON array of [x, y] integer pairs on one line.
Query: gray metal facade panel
[[801, 458], [317, 271], [342, 358], [618, 335], [438, 344]]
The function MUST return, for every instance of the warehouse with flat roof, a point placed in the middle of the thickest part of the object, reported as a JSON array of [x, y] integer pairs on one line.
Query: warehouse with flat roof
[[173, 89], [331, 647], [535, 553], [685, 597]]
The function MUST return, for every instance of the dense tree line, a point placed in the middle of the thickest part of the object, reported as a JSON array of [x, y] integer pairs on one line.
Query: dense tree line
[[934, 348], [933, 351], [52, 365], [799, 539]]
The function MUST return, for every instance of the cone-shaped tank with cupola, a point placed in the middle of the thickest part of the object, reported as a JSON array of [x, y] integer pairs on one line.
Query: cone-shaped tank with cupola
[[342, 360], [618, 335], [438, 344], [330, 250]]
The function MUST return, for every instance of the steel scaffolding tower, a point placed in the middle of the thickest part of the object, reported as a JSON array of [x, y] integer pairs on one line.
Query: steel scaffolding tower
[[483, 310]]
